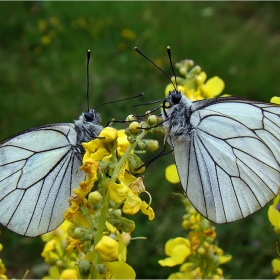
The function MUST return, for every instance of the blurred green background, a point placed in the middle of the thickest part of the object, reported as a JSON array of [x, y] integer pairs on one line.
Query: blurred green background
[[42, 64]]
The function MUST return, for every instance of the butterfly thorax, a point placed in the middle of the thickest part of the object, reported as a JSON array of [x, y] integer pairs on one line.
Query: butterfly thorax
[[88, 128], [177, 117]]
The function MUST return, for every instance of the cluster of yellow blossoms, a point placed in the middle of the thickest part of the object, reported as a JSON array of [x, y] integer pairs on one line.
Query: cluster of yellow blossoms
[[97, 231], [197, 254]]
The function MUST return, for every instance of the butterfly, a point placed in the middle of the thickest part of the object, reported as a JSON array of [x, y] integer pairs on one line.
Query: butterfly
[[226, 150], [39, 168]]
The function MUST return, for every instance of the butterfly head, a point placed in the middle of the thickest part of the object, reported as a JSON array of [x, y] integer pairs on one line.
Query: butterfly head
[[174, 97], [91, 116]]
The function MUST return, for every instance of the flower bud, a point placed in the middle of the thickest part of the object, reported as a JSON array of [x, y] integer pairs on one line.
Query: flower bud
[[219, 271], [152, 120], [192, 211], [84, 268], [79, 233], [115, 222], [142, 145], [134, 127], [83, 234], [152, 145], [130, 118], [189, 63], [161, 130], [201, 251], [199, 80], [59, 263], [134, 163], [110, 135], [94, 197], [183, 70], [195, 70], [186, 224], [116, 213], [127, 225], [70, 229]]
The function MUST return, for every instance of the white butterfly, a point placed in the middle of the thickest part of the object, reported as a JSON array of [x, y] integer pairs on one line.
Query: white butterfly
[[39, 168], [227, 153]]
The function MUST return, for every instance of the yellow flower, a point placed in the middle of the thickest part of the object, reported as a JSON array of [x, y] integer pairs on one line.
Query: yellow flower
[[224, 258], [178, 249], [171, 174], [48, 251], [46, 40], [133, 203], [107, 248], [2, 270], [194, 85], [275, 99], [128, 34], [54, 21], [276, 266], [273, 213], [69, 274], [122, 142]]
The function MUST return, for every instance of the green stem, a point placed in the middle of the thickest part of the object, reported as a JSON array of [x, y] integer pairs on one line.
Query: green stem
[[99, 234], [105, 208], [125, 155]]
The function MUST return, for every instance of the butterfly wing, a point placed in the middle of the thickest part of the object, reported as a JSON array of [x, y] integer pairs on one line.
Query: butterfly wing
[[229, 164], [38, 171]]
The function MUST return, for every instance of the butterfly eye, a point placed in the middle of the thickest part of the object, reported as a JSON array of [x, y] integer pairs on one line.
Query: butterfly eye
[[89, 116], [176, 98]]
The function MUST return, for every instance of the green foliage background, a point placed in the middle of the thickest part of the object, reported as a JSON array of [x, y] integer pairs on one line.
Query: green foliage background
[[46, 83]]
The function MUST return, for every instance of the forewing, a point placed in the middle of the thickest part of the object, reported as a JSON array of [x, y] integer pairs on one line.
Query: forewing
[[38, 171], [233, 159]]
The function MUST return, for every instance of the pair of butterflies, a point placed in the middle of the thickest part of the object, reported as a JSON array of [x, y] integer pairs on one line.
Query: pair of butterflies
[[226, 151]]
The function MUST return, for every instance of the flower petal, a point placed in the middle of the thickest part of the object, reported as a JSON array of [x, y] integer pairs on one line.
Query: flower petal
[[118, 192], [147, 210], [132, 204], [274, 216], [119, 270], [213, 87], [171, 174]]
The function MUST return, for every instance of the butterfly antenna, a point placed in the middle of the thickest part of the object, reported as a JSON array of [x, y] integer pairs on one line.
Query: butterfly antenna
[[136, 49], [148, 103], [88, 59], [114, 101], [170, 60]]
